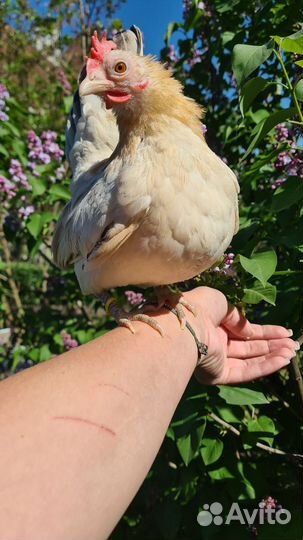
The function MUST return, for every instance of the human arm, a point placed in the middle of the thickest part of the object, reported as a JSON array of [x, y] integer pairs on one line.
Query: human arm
[[80, 432]]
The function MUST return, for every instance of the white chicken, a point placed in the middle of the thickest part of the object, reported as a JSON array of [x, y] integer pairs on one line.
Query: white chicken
[[151, 203]]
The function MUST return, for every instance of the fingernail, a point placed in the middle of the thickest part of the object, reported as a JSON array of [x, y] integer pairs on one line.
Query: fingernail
[[290, 332], [297, 346]]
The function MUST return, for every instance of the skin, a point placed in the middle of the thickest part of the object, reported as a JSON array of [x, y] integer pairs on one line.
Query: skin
[[74, 443]]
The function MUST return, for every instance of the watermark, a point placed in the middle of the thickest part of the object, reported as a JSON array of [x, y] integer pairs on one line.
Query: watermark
[[212, 514]]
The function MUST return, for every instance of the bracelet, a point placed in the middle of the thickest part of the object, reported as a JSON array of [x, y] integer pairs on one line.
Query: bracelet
[[202, 348]]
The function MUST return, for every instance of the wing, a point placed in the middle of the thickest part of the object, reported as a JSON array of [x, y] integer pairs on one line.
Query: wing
[[91, 218], [98, 221]]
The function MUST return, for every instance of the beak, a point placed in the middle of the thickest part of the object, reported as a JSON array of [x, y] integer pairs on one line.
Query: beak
[[94, 86]]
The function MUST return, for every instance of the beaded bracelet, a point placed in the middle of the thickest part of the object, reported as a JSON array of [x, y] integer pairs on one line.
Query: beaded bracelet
[[202, 348]]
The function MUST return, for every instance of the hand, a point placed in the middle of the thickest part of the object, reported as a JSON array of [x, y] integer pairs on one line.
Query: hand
[[238, 351]]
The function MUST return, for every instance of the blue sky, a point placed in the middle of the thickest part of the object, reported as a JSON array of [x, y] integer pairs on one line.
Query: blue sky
[[152, 16]]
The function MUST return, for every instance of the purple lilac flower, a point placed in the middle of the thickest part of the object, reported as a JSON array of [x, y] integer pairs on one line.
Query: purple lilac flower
[[204, 6], [7, 188], [66, 86], [282, 133], [187, 5], [172, 54], [289, 161], [268, 502], [26, 211], [228, 265], [18, 175], [60, 172], [277, 183], [43, 150], [4, 95], [282, 160], [3, 116], [196, 56], [68, 341], [134, 298]]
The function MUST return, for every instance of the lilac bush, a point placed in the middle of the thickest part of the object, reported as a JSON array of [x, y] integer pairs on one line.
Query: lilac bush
[[4, 108]]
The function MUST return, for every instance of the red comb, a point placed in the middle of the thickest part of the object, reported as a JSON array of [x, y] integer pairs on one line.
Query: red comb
[[101, 47]]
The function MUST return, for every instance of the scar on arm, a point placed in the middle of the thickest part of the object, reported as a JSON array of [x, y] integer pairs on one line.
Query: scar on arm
[[87, 423], [109, 385]]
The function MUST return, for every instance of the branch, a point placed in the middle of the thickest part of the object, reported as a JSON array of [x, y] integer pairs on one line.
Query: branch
[[10, 277], [235, 431], [297, 375], [83, 29]]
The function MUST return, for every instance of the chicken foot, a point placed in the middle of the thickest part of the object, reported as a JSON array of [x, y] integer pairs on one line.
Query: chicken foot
[[164, 296], [124, 318]]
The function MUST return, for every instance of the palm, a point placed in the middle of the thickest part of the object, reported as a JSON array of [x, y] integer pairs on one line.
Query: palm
[[238, 350]]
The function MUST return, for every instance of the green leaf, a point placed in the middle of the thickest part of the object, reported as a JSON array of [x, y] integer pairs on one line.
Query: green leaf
[[20, 150], [266, 125], [68, 102], [13, 129], [221, 474], [211, 450], [232, 415], [249, 91], [172, 27], [44, 353], [291, 192], [38, 186], [259, 293], [227, 37], [36, 223], [292, 43], [224, 7], [262, 428], [189, 444], [59, 192], [241, 396], [299, 63], [247, 58], [3, 151], [263, 423], [261, 265], [299, 90], [259, 115]]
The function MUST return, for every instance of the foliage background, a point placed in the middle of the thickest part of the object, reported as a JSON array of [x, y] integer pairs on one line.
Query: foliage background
[[254, 121]]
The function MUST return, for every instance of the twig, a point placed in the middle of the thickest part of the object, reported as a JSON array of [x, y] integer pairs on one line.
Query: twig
[[290, 86], [297, 375], [83, 29], [47, 259], [235, 431], [9, 272]]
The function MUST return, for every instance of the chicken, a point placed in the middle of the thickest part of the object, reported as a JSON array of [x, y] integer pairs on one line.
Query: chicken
[[153, 205]]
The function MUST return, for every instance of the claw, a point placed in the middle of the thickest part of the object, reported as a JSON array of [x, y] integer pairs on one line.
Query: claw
[[188, 306], [124, 318], [141, 317], [175, 300]]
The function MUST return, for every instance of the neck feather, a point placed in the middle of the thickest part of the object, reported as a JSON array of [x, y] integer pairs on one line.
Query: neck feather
[[162, 99]]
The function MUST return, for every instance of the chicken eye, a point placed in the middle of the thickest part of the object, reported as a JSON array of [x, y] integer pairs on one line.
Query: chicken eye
[[120, 67]]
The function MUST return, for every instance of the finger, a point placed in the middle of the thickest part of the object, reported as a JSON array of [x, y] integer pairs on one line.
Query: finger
[[259, 347], [269, 331], [242, 371], [239, 326], [236, 323]]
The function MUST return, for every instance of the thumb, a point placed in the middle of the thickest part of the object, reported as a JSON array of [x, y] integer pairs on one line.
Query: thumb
[[236, 323]]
